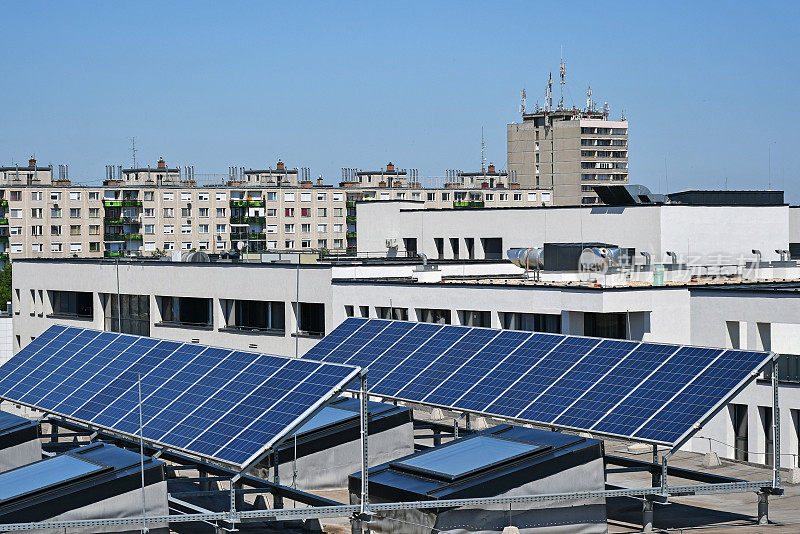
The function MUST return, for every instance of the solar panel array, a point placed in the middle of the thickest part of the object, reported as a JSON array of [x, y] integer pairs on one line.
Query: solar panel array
[[225, 405], [648, 391]]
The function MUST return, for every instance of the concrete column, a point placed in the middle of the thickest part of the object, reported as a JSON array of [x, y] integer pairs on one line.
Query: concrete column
[[763, 509], [647, 516]]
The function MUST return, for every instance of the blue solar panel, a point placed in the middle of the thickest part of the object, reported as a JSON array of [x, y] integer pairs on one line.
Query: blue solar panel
[[654, 392], [222, 404]]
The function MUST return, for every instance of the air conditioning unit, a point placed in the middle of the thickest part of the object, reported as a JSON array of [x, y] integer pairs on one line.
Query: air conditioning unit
[[391, 243]]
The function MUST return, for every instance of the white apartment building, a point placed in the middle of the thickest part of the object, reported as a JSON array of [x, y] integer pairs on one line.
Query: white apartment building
[[154, 211], [286, 308]]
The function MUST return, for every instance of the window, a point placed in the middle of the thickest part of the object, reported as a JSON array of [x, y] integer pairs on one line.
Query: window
[[220, 212], [288, 228], [202, 245], [55, 229], [94, 213], [349, 310], [202, 212], [36, 195], [401, 196], [15, 230], [186, 229], [288, 197], [384, 196], [531, 197], [37, 230], [55, 213], [289, 212], [186, 196], [149, 195], [445, 196], [311, 319], [55, 196], [254, 315], [338, 243], [186, 211], [289, 243], [186, 245], [338, 197], [503, 197], [322, 196], [305, 243], [35, 247], [272, 245], [94, 195], [75, 247], [185, 311], [433, 316], [94, 246], [94, 229], [272, 212], [135, 316], [338, 212], [222, 228], [305, 212], [532, 322], [149, 229], [169, 196], [203, 196], [149, 212], [221, 197], [489, 196], [609, 325], [74, 195], [17, 248], [15, 196], [337, 227], [202, 228], [74, 213], [322, 212], [220, 245], [272, 228], [415, 196], [55, 247], [305, 197], [169, 212], [400, 314], [322, 243], [517, 196], [431, 197], [545, 197], [272, 195], [75, 229], [169, 229], [16, 213], [305, 228], [169, 245], [72, 303], [322, 228]]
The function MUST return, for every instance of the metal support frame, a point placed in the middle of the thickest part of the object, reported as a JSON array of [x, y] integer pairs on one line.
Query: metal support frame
[[365, 511]]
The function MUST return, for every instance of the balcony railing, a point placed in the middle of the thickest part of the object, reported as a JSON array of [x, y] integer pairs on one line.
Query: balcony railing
[[461, 204], [3, 222], [122, 237], [127, 203], [120, 220], [113, 253], [248, 220]]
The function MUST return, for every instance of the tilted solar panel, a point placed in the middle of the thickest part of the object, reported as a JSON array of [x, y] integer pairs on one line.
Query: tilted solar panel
[[653, 392], [221, 404]]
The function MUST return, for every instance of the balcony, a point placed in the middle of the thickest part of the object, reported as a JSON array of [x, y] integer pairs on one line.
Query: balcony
[[4, 239], [3, 203], [112, 203], [463, 204], [351, 204], [3, 222], [111, 221], [350, 220], [122, 237], [248, 220], [113, 253], [351, 235]]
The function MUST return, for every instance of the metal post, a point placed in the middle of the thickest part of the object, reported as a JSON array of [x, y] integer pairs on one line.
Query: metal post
[[455, 428], [141, 450], [364, 445], [763, 508], [655, 474], [469, 426], [647, 516], [776, 427], [278, 500], [664, 473]]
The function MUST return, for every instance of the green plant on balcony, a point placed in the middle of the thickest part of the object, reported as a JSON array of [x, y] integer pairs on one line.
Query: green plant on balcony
[[112, 203], [112, 253], [238, 203], [3, 203], [351, 234], [129, 203], [3, 222], [350, 220]]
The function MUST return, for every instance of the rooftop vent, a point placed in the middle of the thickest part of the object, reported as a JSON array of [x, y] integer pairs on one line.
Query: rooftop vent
[[161, 163], [389, 167]]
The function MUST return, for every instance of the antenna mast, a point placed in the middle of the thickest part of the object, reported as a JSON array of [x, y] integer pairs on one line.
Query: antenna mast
[[133, 150], [483, 149], [522, 97], [548, 94], [589, 98], [563, 73]]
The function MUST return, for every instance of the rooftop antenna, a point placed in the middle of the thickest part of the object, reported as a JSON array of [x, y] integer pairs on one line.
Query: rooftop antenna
[[563, 73], [548, 93], [622, 115], [133, 150], [522, 97], [589, 98], [483, 149]]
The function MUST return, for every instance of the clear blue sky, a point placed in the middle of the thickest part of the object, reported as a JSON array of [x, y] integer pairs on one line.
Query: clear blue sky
[[708, 86]]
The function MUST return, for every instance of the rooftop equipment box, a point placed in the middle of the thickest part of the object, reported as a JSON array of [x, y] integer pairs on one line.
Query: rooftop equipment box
[[502, 461], [328, 447], [95, 481], [566, 256], [19, 441]]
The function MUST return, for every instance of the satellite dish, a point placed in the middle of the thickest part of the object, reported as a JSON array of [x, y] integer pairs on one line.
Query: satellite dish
[[240, 245]]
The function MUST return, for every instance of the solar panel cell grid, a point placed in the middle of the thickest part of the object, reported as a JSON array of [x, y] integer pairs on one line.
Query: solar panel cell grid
[[656, 392]]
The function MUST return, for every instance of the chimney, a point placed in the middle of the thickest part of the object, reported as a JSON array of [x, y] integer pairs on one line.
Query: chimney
[[32, 162], [280, 166], [319, 181], [491, 168], [390, 167], [161, 164]]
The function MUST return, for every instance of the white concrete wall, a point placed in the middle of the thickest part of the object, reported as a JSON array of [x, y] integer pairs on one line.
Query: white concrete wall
[[689, 230]]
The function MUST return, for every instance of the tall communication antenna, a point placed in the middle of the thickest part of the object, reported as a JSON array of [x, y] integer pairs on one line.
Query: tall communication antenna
[[522, 97], [563, 73], [483, 149], [548, 93], [133, 150], [589, 98]]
